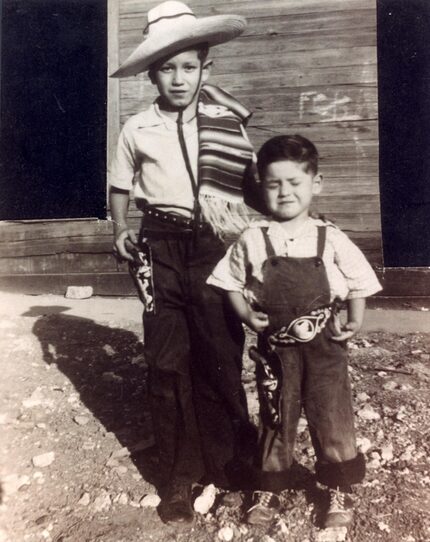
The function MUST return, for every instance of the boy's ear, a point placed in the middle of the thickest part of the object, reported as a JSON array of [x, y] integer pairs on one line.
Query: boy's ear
[[206, 69], [317, 184]]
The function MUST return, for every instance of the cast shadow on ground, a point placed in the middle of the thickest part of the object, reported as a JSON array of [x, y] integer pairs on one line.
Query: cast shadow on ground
[[106, 367]]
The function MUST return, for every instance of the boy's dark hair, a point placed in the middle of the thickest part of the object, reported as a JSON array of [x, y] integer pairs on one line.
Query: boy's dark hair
[[288, 147], [202, 54]]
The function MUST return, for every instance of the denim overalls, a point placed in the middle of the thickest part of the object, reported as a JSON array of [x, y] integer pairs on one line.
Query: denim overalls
[[310, 371]]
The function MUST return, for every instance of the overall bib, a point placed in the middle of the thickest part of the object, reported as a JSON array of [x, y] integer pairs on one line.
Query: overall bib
[[311, 372]]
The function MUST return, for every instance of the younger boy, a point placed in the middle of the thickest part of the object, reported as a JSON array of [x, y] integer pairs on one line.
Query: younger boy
[[186, 158], [283, 278]]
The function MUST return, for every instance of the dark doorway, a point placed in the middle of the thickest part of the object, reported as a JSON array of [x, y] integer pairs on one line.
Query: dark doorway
[[53, 109], [404, 130]]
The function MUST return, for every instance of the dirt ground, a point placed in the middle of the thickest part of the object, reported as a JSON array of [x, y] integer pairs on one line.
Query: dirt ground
[[77, 456]]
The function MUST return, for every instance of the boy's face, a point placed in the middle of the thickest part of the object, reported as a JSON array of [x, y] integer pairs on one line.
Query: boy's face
[[288, 189], [179, 77]]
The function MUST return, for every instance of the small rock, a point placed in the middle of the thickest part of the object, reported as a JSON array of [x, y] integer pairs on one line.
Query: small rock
[[120, 470], [107, 348], [123, 499], [302, 425], [226, 534], [78, 292], [112, 463], [390, 385], [368, 413], [416, 352], [4, 418], [37, 398], [231, 499], [43, 460], [84, 500], [14, 482], [102, 502], [109, 376], [332, 534], [204, 502], [149, 501], [363, 444], [383, 527], [362, 397], [387, 452], [118, 454], [81, 420]]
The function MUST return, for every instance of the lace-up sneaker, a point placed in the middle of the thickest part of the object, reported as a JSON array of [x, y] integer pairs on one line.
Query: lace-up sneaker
[[264, 508], [340, 511]]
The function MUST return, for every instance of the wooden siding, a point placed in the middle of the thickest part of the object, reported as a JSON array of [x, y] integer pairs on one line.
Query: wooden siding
[[302, 66]]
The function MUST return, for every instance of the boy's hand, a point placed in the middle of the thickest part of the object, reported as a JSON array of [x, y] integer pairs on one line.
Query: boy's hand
[[346, 331], [257, 321], [124, 241]]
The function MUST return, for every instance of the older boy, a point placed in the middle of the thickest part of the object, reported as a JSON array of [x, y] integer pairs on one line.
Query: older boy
[[190, 155], [282, 278]]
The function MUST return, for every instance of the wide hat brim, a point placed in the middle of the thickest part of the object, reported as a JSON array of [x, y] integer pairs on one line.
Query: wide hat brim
[[211, 30]]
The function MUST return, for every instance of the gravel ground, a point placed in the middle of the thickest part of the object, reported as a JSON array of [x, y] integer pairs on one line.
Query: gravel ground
[[78, 462]]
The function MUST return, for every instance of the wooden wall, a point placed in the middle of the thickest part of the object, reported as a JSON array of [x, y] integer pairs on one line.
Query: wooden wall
[[302, 66]]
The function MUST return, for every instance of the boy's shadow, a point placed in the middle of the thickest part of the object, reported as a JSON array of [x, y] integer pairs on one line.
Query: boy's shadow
[[106, 366]]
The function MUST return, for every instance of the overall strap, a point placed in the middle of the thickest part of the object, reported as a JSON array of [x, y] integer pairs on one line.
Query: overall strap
[[322, 234], [268, 243]]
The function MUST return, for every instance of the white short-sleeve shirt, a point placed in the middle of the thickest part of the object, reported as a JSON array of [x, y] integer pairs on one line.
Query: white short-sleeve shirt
[[148, 148], [349, 273]]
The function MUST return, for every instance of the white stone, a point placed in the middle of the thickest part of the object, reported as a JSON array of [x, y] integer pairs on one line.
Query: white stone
[[81, 420], [108, 350], [226, 534], [302, 425], [205, 501], [4, 418], [123, 499], [362, 397], [149, 501], [387, 452], [84, 500], [383, 527], [102, 502], [368, 413], [332, 534], [43, 460], [13, 482], [390, 385], [79, 292], [363, 444]]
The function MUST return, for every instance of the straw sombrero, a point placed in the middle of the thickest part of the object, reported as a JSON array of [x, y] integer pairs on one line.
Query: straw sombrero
[[172, 26]]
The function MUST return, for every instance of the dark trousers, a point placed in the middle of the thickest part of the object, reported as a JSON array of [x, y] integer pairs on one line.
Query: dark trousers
[[315, 378], [193, 346]]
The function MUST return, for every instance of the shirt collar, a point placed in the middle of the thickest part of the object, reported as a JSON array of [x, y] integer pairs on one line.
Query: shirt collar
[[154, 117], [276, 230]]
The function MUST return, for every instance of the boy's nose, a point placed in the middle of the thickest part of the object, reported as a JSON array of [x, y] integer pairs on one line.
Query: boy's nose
[[178, 78], [284, 189]]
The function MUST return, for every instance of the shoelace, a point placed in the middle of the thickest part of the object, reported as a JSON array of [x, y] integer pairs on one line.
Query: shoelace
[[337, 500], [262, 497]]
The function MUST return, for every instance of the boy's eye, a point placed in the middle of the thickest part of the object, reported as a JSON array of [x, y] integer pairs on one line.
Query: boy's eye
[[165, 69], [190, 68], [272, 185]]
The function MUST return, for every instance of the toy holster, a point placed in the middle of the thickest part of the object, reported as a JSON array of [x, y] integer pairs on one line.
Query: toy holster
[[141, 271]]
